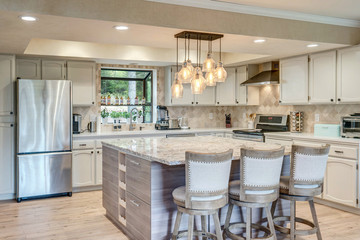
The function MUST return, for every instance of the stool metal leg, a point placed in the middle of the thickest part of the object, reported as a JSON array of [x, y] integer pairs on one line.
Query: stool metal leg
[[273, 207], [314, 216], [248, 223], [270, 221], [177, 225], [203, 226], [228, 215], [217, 226], [191, 227], [292, 219]]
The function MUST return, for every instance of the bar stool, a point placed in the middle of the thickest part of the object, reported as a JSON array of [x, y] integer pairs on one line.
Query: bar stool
[[306, 178], [205, 192], [258, 188]]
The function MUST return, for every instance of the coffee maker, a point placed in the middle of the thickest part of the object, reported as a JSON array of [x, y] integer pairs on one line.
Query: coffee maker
[[77, 123], [162, 122]]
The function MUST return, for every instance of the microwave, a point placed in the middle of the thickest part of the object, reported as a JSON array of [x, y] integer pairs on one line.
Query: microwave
[[350, 126]]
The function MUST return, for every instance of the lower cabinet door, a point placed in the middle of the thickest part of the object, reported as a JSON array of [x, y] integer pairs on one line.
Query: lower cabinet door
[[340, 181], [138, 217], [7, 161], [98, 167], [83, 172]]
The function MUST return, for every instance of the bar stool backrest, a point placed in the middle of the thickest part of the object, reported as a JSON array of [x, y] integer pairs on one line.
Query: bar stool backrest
[[308, 165], [260, 174], [207, 179]]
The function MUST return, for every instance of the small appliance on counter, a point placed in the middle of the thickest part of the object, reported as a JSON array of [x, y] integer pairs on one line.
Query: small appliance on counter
[[92, 125], [327, 130], [162, 121], [350, 126], [77, 123], [174, 123], [296, 122], [263, 123]]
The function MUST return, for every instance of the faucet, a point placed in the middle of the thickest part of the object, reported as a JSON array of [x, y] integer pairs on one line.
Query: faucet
[[131, 118]]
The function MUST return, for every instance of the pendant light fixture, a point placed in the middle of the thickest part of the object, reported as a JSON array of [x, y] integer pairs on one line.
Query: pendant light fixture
[[189, 74], [177, 87], [220, 72], [209, 63]]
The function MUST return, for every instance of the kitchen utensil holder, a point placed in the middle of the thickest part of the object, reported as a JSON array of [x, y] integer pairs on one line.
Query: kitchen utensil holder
[[296, 121]]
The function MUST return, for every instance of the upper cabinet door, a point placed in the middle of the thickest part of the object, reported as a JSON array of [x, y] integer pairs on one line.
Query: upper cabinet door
[[348, 75], [241, 91], [7, 79], [207, 98], [322, 77], [53, 70], [82, 75], [226, 91], [294, 80], [28, 68]]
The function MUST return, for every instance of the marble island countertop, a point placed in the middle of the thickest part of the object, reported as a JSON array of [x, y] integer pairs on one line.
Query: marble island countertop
[[171, 151]]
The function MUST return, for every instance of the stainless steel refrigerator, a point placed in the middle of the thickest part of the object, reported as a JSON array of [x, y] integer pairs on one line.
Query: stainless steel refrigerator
[[44, 142]]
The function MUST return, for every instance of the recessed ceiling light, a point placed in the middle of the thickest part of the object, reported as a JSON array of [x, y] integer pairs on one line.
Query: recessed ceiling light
[[121, 27], [259, 40], [312, 45], [28, 18]]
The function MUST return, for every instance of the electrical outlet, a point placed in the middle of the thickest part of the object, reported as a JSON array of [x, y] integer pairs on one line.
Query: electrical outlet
[[317, 117], [211, 116]]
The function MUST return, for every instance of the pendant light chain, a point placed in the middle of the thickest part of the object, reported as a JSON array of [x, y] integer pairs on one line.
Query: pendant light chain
[[185, 50], [220, 49], [177, 54]]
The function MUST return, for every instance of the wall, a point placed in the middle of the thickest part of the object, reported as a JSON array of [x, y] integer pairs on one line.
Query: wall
[[199, 116]]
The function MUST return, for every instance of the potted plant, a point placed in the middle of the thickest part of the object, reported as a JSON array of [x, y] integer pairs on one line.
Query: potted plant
[[126, 115], [104, 116], [140, 117], [114, 115]]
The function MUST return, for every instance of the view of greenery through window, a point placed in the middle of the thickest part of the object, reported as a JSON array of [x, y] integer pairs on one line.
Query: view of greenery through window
[[122, 90]]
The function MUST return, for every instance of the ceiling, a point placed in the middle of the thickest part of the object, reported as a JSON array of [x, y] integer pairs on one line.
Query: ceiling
[[56, 36]]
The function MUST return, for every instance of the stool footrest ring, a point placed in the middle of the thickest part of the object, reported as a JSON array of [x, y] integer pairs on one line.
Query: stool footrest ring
[[228, 233], [198, 233], [286, 230]]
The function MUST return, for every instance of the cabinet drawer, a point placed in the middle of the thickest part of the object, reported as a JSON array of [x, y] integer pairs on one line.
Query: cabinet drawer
[[83, 144], [343, 152], [138, 177], [138, 220]]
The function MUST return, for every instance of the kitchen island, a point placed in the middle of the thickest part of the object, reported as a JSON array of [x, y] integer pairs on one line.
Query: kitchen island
[[139, 175]]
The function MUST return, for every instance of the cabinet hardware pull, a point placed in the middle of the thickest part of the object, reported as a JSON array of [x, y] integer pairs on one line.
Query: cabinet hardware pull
[[192, 102], [339, 99], [218, 102], [279, 101], [92, 152], [197, 102], [98, 151], [93, 103], [82, 145], [337, 151], [11, 125], [134, 162], [331, 100], [11, 113], [133, 202]]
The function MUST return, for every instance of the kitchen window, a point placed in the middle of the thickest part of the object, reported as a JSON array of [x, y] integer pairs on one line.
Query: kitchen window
[[123, 90]]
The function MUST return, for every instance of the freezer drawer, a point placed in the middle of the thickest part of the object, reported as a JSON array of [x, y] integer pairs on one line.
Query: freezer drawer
[[43, 174]]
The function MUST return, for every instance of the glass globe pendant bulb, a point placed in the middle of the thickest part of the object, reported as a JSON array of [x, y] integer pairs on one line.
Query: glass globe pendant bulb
[[190, 67], [210, 78], [198, 83], [209, 64], [185, 75], [220, 73], [177, 88]]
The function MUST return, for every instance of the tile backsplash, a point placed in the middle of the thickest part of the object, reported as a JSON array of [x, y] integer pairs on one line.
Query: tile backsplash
[[199, 117]]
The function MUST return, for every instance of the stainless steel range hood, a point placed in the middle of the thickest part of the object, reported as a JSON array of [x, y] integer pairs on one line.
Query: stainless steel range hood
[[269, 75]]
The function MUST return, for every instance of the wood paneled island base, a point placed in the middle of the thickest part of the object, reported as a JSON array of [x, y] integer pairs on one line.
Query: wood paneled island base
[[137, 194]]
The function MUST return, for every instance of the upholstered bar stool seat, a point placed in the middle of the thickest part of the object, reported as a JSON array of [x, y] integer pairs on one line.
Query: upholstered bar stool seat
[[205, 192], [258, 187], [307, 171]]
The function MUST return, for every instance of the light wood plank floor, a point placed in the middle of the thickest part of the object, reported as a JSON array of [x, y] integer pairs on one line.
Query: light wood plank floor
[[82, 217]]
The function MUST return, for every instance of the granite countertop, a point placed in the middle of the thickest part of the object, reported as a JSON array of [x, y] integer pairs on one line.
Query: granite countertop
[[306, 136], [111, 134], [171, 151]]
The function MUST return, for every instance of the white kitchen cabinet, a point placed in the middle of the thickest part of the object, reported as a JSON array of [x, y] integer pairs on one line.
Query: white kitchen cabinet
[[83, 76], [83, 169], [246, 95], [294, 80], [7, 161], [207, 98], [53, 70], [322, 78], [348, 75], [98, 167], [7, 84], [340, 181], [28, 68], [226, 91]]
